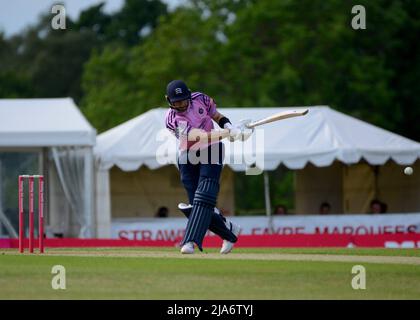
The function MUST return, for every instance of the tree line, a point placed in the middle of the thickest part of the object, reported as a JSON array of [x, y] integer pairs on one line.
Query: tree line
[[245, 53]]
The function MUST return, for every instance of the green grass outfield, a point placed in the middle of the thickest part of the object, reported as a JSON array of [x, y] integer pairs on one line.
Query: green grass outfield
[[163, 273]]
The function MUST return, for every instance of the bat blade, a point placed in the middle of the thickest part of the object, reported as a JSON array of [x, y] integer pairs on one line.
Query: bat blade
[[278, 116]]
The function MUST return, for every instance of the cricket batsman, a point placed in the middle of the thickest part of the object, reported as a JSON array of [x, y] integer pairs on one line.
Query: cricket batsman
[[200, 162]]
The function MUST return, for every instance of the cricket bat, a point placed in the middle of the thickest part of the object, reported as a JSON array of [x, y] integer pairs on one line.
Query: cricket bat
[[276, 117]]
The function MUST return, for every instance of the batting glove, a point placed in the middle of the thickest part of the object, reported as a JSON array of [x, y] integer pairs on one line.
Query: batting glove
[[245, 131], [234, 132]]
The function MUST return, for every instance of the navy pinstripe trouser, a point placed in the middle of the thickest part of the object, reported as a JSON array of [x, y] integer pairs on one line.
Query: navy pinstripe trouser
[[208, 175]]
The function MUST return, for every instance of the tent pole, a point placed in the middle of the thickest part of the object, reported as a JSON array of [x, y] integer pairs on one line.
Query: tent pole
[[267, 194], [268, 202], [88, 196], [376, 176]]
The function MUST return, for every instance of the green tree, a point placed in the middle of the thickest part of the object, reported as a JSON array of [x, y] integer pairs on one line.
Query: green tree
[[280, 53], [51, 62], [94, 19], [127, 27], [294, 53], [111, 89], [306, 53], [57, 63], [12, 84], [183, 46], [135, 21]]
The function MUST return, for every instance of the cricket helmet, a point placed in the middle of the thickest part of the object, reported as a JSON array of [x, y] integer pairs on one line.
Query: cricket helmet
[[177, 90]]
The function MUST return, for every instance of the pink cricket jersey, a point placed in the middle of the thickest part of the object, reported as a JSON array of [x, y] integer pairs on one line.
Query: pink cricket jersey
[[198, 115]]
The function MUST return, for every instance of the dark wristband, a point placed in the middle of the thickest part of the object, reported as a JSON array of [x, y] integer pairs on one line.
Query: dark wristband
[[223, 121]]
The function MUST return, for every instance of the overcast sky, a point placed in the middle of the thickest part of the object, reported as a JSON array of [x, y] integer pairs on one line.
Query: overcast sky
[[15, 15]]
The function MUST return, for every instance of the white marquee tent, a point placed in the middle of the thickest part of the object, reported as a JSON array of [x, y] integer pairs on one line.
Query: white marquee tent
[[320, 138], [42, 123], [53, 129]]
